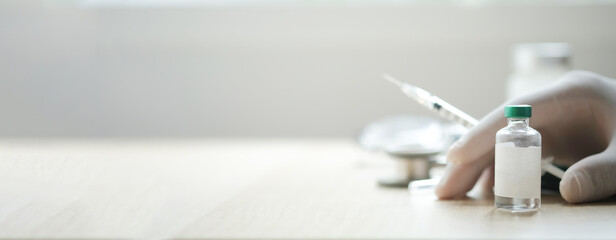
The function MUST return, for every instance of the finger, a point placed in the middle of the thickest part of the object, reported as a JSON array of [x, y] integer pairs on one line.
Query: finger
[[459, 178], [592, 178], [479, 140], [486, 181]]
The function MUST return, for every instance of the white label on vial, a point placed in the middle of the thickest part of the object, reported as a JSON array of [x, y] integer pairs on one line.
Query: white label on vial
[[517, 171]]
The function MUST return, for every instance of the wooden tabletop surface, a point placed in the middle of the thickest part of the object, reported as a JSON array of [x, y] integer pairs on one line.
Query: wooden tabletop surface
[[247, 189]]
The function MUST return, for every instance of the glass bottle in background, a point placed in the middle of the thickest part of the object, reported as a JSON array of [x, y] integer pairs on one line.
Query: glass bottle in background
[[536, 65], [517, 163]]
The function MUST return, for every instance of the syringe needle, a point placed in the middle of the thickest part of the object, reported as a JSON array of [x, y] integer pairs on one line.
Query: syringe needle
[[392, 80]]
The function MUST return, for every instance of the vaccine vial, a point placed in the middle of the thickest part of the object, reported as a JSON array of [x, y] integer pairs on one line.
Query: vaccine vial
[[536, 65], [517, 168]]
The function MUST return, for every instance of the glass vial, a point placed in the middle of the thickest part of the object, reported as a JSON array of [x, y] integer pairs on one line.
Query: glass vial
[[536, 65], [517, 169]]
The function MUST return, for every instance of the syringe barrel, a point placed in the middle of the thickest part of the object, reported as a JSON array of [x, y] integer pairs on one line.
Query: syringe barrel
[[450, 112]]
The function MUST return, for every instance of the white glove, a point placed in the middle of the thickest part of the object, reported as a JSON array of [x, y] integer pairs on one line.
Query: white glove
[[577, 121]]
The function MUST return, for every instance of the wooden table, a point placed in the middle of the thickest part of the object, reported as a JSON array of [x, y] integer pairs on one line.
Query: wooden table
[[285, 188]]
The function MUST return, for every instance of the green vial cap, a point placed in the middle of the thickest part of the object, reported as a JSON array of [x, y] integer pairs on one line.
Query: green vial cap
[[518, 111]]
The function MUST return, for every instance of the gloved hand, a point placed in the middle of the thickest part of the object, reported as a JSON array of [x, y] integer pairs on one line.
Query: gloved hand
[[577, 121]]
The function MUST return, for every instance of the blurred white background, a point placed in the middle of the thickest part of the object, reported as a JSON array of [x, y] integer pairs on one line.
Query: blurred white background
[[105, 69]]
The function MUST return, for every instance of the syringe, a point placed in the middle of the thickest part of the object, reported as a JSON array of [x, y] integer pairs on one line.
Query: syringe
[[452, 113], [434, 103]]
